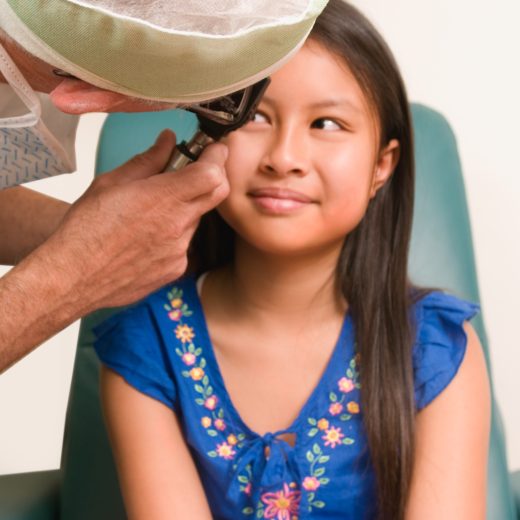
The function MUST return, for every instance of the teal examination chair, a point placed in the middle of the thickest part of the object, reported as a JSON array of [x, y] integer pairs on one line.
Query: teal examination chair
[[85, 487]]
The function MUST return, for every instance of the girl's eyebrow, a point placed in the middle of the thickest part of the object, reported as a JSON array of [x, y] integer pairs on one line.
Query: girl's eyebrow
[[326, 103]]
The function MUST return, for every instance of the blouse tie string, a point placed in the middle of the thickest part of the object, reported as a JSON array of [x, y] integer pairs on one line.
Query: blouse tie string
[[270, 465]]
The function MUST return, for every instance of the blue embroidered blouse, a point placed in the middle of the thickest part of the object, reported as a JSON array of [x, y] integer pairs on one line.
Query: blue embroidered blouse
[[162, 348]]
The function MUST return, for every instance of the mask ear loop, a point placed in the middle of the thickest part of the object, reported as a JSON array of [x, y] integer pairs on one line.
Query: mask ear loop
[[23, 90]]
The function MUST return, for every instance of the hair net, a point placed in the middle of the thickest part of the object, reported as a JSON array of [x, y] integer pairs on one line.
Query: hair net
[[171, 50]]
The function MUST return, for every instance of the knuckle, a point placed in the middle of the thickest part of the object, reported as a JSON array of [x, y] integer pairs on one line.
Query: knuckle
[[213, 175]]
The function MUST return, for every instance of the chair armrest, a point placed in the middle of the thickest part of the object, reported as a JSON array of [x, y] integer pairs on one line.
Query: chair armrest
[[515, 486], [30, 496]]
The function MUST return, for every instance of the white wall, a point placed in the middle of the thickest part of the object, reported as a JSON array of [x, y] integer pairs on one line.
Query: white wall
[[460, 57]]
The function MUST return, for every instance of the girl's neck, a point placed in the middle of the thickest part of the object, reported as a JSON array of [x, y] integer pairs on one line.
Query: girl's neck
[[261, 285]]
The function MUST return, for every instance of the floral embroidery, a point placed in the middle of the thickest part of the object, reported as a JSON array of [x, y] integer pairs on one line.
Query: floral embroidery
[[184, 333], [189, 358], [346, 385], [335, 408], [225, 451], [282, 504], [332, 435], [192, 357], [311, 483], [196, 373]]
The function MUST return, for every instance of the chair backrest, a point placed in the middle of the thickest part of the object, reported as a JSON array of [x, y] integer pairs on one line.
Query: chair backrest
[[442, 256]]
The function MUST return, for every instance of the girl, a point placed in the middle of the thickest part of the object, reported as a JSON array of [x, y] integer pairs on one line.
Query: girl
[[307, 377]]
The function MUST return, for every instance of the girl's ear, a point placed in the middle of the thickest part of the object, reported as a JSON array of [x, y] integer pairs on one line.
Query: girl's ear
[[385, 166]]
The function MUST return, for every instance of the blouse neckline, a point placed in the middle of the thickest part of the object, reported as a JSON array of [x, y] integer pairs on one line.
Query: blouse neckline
[[338, 352]]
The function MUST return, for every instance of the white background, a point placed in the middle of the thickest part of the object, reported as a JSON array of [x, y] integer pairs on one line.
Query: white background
[[460, 57]]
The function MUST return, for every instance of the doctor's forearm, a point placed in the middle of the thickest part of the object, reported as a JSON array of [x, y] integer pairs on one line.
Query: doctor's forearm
[[37, 300], [27, 219]]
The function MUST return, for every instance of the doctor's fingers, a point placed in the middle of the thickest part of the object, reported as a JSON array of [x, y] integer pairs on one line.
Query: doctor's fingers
[[203, 182]]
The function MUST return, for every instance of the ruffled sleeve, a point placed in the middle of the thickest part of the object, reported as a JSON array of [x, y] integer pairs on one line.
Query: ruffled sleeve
[[130, 344], [440, 344]]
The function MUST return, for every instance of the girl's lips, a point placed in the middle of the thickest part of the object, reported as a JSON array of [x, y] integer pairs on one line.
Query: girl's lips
[[279, 200]]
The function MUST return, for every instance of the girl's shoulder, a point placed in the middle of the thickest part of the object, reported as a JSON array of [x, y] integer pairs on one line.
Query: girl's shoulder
[[440, 342]]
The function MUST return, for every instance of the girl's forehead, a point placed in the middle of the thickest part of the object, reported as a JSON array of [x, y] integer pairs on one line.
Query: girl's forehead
[[317, 76]]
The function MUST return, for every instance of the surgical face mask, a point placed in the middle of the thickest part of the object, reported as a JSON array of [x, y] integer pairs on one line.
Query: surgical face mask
[[30, 149]]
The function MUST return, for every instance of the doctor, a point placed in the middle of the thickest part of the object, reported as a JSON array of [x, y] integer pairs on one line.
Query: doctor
[[129, 233]]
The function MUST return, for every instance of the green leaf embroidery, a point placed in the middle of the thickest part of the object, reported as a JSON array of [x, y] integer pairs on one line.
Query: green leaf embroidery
[[319, 472], [205, 380], [199, 389], [323, 459], [333, 397], [191, 348], [312, 421], [313, 432], [345, 417], [324, 481], [243, 479], [202, 363], [221, 413], [199, 401], [310, 456], [316, 449], [198, 351], [319, 504], [248, 511], [212, 433], [347, 440], [212, 453], [178, 351], [185, 373]]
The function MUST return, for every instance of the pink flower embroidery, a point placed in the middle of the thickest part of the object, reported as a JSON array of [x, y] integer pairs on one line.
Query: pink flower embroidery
[[333, 436], [247, 489], [220, 424], [175, 315], [189, 358], [211, 402], [335, 408], [345, 385], [225, 451], [311, 484], [281, 504]]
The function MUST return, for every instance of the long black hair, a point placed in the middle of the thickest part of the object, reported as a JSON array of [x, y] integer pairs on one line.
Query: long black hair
[[372, 268]]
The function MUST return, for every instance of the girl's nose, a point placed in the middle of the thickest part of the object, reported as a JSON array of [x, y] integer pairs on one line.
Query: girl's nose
[[287, 153]]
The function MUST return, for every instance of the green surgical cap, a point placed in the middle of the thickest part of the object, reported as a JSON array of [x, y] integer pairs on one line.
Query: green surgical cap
[[168, 50]]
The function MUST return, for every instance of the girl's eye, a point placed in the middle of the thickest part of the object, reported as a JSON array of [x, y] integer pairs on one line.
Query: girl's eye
[[325, 123], [259, 118]]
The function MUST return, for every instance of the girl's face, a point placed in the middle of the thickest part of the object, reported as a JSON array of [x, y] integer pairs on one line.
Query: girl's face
[[302, 173]]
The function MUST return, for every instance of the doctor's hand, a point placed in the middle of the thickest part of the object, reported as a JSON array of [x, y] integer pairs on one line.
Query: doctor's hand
[[129, 233], [125, 237]]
